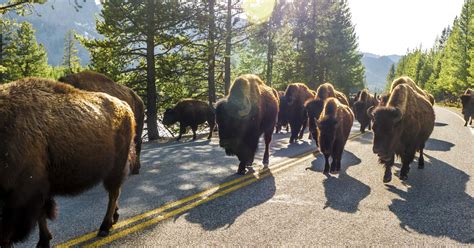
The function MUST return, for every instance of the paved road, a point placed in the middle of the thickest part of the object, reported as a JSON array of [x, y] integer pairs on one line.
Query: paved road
[[292, 204]]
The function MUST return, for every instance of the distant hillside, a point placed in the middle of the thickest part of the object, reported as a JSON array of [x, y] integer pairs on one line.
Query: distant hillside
[[53, 19], [376, 69]]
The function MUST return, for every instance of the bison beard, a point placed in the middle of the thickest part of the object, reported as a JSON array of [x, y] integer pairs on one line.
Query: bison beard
[[41, 154], [96, 82], [296, 95], [401, 128], [334, 127], [190, 113], [467, 100], [249, 110]]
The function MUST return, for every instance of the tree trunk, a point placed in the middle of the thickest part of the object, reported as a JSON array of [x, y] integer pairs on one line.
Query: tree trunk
[[1, 55], [211, 53], [228, 47], [151, 108], [269, 53]]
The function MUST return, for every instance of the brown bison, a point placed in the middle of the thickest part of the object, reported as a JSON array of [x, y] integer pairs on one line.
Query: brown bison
[[58, 140], [314, 107], [363, 103], [401, 128], [250, 109], [411, 83], [190, 113], [334, 127], [282, 113], [467, 100], [93, 81], [296, 95]]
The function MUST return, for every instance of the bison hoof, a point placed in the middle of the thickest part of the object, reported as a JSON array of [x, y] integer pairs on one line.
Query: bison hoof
[[403, 177], [326, 172], [387, 179], [421, 166], [241, 172], [103, 233], [135, 171], [42, 244]]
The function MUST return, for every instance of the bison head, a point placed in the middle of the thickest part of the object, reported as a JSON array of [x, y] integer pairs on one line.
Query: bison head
[[170, 117], [232, 123], [327, 134], [465, 101], [360, 110], [386, 132], [283, 112]]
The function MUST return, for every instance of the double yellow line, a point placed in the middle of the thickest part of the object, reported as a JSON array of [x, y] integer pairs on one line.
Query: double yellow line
[[146, 219]]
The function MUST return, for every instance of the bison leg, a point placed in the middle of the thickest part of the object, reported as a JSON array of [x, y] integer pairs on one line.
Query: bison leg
[[406, 160], [303, 127], [370, 125], [333, 166], [45, 235], [421, 160], [212, 124], [326, 164], [194, 129], [277, 128], [138, 148], [295, 129], [387, 177], [111, 211], [266, 155], [182, 130]]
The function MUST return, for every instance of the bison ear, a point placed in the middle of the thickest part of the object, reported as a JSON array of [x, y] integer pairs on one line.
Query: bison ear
[[370, 112], [397, 115]]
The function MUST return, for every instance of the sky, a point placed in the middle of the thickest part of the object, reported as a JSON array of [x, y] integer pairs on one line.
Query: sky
[[387, 27]]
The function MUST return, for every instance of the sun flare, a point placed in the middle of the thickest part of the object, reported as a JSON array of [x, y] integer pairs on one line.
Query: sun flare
[[258, 11]]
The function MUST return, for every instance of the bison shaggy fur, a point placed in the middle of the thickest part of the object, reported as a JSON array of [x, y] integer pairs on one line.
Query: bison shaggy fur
[[250, 109], [467, 101], [363, 103], [411, 83], [401, 128], [190, 113], [282, 113], [96, 82], [314, 107], [58, 140], [334, 127], [296, 95]]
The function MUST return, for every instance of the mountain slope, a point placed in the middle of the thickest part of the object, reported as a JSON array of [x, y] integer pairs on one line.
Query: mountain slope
[[376, 69]]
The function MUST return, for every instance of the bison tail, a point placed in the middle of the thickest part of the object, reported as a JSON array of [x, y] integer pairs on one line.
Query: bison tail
[[50, 209]]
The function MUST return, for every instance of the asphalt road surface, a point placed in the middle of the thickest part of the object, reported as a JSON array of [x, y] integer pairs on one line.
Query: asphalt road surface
[[188, 194]]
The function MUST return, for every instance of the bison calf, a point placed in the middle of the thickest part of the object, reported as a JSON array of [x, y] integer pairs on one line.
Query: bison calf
[[190, 113], [401, 128], [467, 100], [58, 140], [334, 127], [249, 110], [93, 81]]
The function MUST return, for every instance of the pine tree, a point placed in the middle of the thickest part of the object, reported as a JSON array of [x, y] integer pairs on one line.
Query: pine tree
[[70, 58], [391, 74], [25, 57]]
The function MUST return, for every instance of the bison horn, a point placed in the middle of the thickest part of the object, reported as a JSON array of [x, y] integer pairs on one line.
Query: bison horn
[[370, 113], [246, 106]]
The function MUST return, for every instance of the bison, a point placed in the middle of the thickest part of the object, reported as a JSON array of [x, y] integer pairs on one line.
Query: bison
[[334, 127], [362, 104], [58, 140], [250, 109], [190, 113], [96, 82], [314, 107], [401, 128], [411, 83], [282, 113], [296, 95], [467, 100]]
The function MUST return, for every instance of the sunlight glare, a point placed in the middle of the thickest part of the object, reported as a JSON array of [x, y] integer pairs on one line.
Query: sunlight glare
[[258, 11]]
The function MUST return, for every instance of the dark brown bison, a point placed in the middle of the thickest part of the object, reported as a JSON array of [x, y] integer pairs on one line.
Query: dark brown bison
[[296, 95], [334, 127], [401, 128], [411, 83], [282, 113], [58, 140], [363, 103], [250, 109], [93, 81], [314, 107], [467, 100], [190, 113]]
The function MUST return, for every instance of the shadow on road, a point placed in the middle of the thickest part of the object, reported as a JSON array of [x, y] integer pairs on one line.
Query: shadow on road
[[436, 203], [438, 145], [223, 212], [365, 138], [440, 124], [343, 192]]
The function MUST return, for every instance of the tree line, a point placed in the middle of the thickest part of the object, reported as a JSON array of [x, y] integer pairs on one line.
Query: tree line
[[170, 50], [447, 69]]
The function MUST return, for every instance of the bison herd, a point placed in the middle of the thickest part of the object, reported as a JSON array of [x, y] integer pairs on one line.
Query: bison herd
[[64, 137]]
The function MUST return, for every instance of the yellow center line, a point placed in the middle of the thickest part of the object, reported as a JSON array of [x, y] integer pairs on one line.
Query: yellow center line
[[148, 223], [167, 206]]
